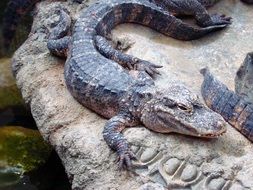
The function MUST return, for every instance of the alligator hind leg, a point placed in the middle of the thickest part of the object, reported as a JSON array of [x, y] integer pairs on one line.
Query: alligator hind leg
[[58, 40], [131, 62], [194, 8]]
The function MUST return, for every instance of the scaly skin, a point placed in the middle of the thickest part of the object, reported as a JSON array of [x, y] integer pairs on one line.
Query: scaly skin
[[244, 79], [16, 9], [129, 98], [13, 13], [196, 8], [232, 107]]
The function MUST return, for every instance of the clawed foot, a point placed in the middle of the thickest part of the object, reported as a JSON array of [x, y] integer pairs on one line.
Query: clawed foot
[[216, 19], [221, 19], [142, 65], [124, 160]]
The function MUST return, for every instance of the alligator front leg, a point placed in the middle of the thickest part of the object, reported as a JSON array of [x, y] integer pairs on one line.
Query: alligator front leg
[[194, 8], [128, 61], [115, 139]]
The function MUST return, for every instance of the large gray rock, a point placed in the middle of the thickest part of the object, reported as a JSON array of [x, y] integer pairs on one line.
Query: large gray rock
[[164, 161]]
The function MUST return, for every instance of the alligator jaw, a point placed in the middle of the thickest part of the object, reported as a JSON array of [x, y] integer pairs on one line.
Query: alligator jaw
[[214, 135]]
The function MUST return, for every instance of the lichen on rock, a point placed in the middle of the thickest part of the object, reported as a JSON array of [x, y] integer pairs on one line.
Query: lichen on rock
[[22, 148]]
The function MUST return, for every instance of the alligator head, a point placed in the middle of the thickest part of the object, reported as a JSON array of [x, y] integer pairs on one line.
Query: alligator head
[[179, 110]]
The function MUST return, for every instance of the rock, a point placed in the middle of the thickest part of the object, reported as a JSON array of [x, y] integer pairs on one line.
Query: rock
[[9, 93], [22, 148], [76, 133], [152, 186]]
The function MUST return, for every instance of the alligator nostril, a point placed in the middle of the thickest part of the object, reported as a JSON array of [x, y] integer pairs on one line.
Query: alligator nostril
[[221, 125]]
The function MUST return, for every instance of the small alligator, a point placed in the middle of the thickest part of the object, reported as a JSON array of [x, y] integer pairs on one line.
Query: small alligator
[[233, 107], [96, 74], [16, 9]]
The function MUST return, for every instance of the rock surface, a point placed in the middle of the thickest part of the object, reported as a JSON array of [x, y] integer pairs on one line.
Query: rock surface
[[165, 161]]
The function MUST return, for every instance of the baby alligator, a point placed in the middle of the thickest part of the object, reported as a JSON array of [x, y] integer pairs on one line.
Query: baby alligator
[[16, 9], [231, 106], [95, 75]]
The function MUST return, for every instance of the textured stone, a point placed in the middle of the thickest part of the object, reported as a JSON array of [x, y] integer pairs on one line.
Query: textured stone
[[76, 133]]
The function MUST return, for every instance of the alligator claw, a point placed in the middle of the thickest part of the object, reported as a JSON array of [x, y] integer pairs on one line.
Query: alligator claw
[[148, 67], [220, 19], [125, 160], [216, 20]]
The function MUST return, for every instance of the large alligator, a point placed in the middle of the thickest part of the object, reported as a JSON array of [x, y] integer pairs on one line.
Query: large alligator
[[235, 108], [98, 76], [16, 9]]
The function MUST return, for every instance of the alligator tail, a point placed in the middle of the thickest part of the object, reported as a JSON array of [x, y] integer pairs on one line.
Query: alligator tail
[[185, 31], [162, 21], [148, 14], [235, 110]]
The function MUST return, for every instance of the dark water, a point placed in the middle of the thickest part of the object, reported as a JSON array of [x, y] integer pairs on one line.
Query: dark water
[[50, 176]]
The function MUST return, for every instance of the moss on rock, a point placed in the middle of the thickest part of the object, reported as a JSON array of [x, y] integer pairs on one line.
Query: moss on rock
[[9, 93], [21, 147]]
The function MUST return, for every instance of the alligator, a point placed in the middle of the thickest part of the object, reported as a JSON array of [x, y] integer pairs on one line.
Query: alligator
[[121, 87], [244, 79], [233, 107], [16, 9]]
